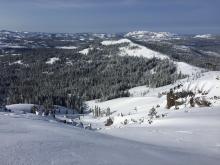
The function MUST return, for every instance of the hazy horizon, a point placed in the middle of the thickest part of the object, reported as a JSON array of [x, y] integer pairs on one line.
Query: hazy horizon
[[102, 16]]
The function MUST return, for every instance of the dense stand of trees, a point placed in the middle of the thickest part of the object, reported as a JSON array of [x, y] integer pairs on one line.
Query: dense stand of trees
[[74, 78], [25, 77]]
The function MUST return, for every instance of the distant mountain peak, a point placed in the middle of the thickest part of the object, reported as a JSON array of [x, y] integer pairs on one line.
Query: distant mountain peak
[[147, 35], [204, 36]]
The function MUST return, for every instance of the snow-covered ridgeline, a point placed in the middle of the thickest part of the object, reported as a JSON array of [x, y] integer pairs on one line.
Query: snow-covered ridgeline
[[132, 49], [146, 35]]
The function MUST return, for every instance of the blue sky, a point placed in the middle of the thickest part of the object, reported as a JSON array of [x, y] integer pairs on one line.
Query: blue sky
[[178, 16]]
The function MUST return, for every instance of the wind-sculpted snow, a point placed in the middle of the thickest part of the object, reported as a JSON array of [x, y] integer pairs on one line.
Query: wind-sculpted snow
[[32, 141], [192, 130]]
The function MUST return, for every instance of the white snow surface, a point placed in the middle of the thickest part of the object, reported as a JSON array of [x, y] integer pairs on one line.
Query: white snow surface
[[114, 42], [184, 136], [195, 130], [20, 107], [203, 36], [132, 49], [85, 51], [29, 139], [135, 108], [66, 47], [147, 35], [187, 69], [17, 62], [143, 98], [52, 60], [191, 130]]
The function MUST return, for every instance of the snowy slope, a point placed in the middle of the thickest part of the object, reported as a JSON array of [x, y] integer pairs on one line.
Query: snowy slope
[[29, 140], [143, 99], [132, 49], [187, 69], [184, 136], [195, 130], [20, 107], [85, 51], [191, 130]]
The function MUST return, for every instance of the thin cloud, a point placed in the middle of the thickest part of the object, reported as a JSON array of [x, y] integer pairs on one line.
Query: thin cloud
[[74, 3]]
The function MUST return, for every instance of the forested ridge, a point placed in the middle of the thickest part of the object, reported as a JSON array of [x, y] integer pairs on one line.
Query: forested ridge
[[36, 69], [75, 77]]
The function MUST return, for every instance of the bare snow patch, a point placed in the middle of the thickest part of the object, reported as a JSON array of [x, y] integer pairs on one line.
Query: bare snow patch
[[204, 36], [66, 47], [187, 69], [20, 107], [15, 54], [85, 51], [140, 51], [19, 62], [52, 60], [139, 91], [114, 42]]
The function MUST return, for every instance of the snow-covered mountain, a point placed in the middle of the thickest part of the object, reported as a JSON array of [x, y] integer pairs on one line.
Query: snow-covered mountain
[[129, 48], [127, 119], [204, 36], [132, 49], [147, 35]]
